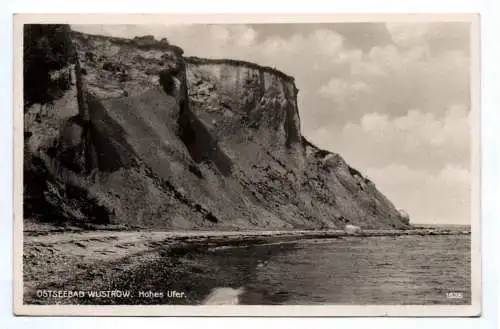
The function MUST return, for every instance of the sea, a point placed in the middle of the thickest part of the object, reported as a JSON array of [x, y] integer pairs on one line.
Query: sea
[[348, 270], [402, 270]]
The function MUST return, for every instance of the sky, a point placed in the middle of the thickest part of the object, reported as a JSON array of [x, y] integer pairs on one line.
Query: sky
[[392, 98]]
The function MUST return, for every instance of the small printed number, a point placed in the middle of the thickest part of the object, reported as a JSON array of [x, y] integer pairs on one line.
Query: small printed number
[[454, 295]]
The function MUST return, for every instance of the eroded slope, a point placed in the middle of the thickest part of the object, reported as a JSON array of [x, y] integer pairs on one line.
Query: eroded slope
[[145, 137]]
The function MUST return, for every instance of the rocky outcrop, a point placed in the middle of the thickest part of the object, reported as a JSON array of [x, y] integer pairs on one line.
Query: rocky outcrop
[[149, 138]]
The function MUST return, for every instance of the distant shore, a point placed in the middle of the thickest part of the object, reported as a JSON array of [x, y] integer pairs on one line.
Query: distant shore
[[93, 259]]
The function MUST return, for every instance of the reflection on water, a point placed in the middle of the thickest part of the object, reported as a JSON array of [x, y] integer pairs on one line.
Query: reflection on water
[[224, 296], [351, 270], [378, 270]]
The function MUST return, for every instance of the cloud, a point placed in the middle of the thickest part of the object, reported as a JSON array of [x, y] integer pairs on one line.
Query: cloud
[[436, 36], [397, 80], [358, 35], [421, 140]]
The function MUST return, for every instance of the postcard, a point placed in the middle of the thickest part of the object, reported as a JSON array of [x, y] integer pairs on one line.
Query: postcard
[[247, 165]]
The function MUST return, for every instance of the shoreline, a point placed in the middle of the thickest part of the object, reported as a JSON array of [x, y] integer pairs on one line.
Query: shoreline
[[93, 260], [231, 233]]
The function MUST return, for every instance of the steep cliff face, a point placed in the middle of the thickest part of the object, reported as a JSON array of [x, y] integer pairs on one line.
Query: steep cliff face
[[148, 138], [242, 102], [252, 113]]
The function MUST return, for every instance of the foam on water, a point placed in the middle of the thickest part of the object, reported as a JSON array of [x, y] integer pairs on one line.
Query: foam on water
[[224, 296]]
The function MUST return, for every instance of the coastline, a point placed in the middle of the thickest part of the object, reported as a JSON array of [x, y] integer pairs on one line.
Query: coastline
[[106, 260]]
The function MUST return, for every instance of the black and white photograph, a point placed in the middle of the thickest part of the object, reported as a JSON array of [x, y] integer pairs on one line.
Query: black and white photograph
[[221, 164]]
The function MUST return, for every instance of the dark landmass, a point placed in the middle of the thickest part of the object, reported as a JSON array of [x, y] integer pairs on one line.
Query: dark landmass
[[130, 134]]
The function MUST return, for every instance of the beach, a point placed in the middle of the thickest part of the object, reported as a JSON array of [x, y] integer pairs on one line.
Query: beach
[[152, 267]]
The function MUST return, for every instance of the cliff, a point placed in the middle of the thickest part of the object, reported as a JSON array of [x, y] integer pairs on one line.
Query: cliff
[[141, 136]]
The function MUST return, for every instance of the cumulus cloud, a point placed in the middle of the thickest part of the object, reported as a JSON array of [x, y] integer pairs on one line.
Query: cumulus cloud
[[393, 99], [421, 140], [396, 80], [436, 36]]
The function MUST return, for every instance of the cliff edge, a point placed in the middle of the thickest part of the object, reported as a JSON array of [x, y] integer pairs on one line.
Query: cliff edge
[[131, 132]]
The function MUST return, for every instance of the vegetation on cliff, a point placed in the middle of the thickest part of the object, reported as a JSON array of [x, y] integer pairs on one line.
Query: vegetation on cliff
[[46, 48]]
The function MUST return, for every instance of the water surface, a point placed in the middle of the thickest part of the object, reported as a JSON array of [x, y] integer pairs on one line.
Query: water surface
[[376, 270]]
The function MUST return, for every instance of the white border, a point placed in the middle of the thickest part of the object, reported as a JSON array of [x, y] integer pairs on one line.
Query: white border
[[285, 310]]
